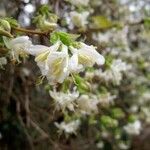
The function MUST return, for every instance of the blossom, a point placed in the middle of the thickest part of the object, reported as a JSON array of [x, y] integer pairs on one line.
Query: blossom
[[74, 65], [114, 73], [19, 46], [64, 100], [46, 25], [79, 19], [146, 113], [41, 53], [119, 65], [133, 128], [53, 64], [79, 2], [3, 61], [123, 146], [86, 56], [87, 105], [100, 145], [113, 37], [69, 127], [106, 98], [58, 63]]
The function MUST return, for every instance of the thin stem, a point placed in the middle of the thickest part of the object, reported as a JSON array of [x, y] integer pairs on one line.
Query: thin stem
[[29, 31]]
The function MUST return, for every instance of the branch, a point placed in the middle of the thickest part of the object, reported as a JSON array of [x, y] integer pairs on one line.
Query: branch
[[29, 31], [3, 50], [44, 135]]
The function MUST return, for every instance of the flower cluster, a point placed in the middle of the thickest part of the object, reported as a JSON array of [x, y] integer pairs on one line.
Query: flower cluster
[[57, 61], [68, 127], [111, 101]]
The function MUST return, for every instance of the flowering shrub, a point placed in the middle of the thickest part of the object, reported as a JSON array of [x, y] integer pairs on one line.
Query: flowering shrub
[[90, 63]]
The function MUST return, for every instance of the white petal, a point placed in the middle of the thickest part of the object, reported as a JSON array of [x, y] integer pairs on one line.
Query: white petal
[[37, 49], [43, 67], [20, 39], [23, 41], [74, 66], [92, 53], [58, 74]]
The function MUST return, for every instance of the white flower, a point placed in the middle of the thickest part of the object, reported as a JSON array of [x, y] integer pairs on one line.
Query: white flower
[[68, 128], [115, 72], [102, 37], [89, 75], [74, 65], [87, 105], [19, 46], [119, 65], [123, 146], [65, 100], [145, 98], [107, 98], [58, 64], [113, 36], [41, 54], [146, 113], [85, 56], [79, 19], [88, 55], [79, 2], [100, 145], [53, 64], [3, 61], [133, 128]]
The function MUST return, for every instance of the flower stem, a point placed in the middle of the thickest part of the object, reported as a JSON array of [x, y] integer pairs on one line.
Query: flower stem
[[29, 31]]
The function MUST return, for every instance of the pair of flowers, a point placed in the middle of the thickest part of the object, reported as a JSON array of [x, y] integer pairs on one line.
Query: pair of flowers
[[57, 61]]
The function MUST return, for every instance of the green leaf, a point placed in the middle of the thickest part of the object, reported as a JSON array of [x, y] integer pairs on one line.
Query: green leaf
[[81, 83], [12, 22], [107, 121], [147, 22], [132, 118], [65, 38], [45, 20], [117, 113], [65, 85], [4, 24], [5, 33], [108, 61], [101, 22], [44, 9]]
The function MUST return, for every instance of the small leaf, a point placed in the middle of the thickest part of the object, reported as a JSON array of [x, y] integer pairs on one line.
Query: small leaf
[[5, 33], [108, 61], [82, 85], [66, 38], [44, 9], [101, 22], [147, 22], [117, 113], [132, 118], [107, 121], [4, 24], [12, 22]]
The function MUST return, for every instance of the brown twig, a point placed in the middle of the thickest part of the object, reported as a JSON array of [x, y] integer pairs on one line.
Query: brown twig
[[44, 135], [30, 31]]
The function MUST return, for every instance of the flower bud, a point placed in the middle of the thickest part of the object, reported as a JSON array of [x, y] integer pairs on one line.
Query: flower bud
[[5, 25], [47, 23]]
